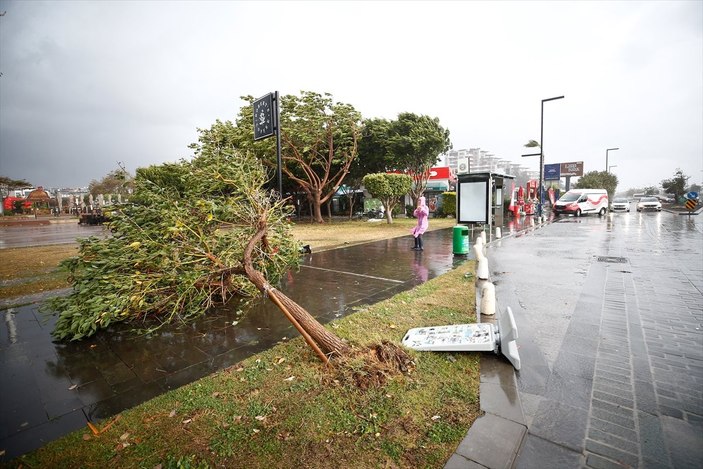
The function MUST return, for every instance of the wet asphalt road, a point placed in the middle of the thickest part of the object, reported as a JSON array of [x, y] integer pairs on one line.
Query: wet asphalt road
[[609, 312], [64, 232]]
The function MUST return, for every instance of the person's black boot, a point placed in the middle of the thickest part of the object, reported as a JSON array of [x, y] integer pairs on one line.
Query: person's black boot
[[415, 247], [419, 243]]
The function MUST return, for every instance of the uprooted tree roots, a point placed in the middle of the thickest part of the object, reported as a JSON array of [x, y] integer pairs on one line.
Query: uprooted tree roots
[[371, 366]]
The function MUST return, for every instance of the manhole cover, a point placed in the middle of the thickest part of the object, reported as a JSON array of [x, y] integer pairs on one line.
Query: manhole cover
[[611, 259]]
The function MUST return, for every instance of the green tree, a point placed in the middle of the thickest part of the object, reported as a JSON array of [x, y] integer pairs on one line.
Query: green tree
[[373, 147], [372, 157], [414, 145], [8, 184], [319, 139], [388, 188], [195, 234], [598, 180], [651, 190], [677, 184], [449, 203], [118, 181]]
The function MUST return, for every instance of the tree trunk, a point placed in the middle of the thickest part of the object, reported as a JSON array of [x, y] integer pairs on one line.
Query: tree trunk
[[316, 205], [327, 341], [351, 205]]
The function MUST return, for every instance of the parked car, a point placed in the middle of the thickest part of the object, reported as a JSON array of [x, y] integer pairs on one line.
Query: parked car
[[620, 205], [649, 203]]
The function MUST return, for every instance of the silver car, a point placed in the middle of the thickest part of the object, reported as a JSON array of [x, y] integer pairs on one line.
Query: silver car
[[620, 205], [649, 203]]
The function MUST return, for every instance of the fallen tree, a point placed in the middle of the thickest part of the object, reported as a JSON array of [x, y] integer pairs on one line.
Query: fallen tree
[[195, 233]]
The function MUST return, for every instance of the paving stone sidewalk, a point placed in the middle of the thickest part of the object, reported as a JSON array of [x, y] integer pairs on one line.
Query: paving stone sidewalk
[[609, 312]]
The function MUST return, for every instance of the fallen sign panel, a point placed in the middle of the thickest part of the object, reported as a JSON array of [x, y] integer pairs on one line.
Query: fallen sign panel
[[459, 337], [480, 337]]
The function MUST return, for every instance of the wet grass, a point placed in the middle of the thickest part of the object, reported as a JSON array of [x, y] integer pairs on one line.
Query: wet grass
[[31, 270], [341, 232], [282, 408]]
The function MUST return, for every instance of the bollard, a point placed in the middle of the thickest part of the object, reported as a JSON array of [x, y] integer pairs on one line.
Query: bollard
[[488, 299], [483, 237], [485, 290], [498, 234], [482, 270]]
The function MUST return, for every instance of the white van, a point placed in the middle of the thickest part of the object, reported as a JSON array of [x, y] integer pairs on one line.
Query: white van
[[582, 202]]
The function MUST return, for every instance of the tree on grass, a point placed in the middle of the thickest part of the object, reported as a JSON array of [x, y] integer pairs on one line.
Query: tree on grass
[[118, 181], [319, 139], [414, 145], [372, 157], [195, 234], [677, 184], [389, 188], [8, 184], [598, 180]]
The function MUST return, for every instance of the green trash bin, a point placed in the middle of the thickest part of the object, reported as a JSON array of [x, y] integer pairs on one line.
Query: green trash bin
[[461, 240]]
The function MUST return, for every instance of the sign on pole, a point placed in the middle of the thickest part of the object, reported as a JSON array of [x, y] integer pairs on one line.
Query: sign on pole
[[552, 172], [263, 117], [266, 112]]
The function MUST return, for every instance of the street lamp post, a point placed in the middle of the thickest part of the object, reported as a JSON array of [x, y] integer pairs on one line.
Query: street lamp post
[[607, 169], [541, 152]]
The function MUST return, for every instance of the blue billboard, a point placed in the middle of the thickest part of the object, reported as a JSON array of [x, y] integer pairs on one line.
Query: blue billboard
[[552, 172]]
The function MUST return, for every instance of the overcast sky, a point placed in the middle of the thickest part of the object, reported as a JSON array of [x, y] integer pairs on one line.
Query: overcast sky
[[85, 85]]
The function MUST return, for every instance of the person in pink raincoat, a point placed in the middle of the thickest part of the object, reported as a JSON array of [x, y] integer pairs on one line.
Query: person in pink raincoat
[[421, 212]]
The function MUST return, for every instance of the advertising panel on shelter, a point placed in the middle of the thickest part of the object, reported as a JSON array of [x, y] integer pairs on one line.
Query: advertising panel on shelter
[[473, 202]]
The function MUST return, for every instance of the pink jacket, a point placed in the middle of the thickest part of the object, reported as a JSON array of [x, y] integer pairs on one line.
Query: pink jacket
[[421, 213]]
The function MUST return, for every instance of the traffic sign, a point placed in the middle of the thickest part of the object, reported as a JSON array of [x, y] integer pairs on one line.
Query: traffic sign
[[690, 205], [691, 195]]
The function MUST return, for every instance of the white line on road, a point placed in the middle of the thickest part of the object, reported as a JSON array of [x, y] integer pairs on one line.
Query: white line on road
[[352, 273]]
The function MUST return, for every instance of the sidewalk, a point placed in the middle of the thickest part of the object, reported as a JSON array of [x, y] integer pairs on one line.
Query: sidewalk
[[609, 313]]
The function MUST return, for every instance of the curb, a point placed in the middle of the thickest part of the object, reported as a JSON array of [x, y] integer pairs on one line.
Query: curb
[[495, 438]]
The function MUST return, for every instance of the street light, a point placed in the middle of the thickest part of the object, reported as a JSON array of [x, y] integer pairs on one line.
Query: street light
[[607, 170], [541, 152]]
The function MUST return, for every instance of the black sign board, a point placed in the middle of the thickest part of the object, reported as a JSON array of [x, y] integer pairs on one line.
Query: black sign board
[[263, 117]]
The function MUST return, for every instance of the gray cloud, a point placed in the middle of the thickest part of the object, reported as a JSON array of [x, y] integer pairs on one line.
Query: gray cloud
[[87, 84]]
